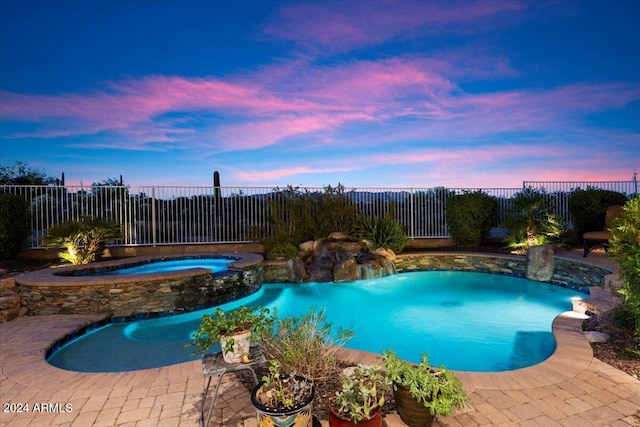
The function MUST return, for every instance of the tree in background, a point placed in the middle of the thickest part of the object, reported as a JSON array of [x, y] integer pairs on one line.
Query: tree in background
[[23, 174]]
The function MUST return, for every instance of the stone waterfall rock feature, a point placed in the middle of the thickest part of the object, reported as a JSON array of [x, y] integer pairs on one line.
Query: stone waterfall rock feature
[[337, 259]]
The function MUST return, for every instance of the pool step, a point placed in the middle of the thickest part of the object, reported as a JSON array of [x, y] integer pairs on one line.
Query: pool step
[[528, 343], [601, 299]]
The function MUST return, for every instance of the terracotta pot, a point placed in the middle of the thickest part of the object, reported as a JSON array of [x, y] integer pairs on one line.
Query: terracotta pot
[[412, 412], [300, 415], [336, 420], [241, 345]]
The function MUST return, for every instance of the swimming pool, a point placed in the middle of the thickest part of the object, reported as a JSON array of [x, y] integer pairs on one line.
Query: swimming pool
[[467, 321]]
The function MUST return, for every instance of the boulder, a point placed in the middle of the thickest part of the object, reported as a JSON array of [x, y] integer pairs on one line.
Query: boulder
[[387, 253], [539, 265], [306, 246], [297, 269], [9, 306], [594, 336], [345, 270], [338, 236]]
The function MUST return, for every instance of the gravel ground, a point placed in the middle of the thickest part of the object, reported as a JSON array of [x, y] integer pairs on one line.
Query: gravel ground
[[613, 351]]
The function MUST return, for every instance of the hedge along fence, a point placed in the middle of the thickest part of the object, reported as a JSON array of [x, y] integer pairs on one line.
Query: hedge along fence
[[170, 215]]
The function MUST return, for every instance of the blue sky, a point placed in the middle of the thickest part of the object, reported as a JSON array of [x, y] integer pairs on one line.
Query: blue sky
[[366, 93]]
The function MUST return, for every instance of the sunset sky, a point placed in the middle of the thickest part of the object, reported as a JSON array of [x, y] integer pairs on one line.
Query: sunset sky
[[366, 93]]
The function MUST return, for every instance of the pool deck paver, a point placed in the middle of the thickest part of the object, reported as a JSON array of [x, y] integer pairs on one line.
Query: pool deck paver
[[571, 388]]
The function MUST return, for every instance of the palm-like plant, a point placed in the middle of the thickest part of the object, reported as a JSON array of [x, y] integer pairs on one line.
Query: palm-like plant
[[83, 240], [531, 221]]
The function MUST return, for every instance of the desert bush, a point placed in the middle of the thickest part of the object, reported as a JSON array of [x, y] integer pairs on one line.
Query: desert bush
[[84, 239], [306, 344], [625, 248], [384, 232], [588, 208], [15, 225], [470, 217]]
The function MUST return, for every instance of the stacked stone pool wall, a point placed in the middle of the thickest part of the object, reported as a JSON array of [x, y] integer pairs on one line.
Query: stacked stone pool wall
[[568, 273], [55, 291]]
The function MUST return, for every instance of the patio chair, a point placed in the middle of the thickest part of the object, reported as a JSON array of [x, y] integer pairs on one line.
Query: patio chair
[[601, 238]]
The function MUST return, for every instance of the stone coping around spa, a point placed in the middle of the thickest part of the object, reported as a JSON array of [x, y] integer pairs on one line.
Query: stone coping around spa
[[61, 276]]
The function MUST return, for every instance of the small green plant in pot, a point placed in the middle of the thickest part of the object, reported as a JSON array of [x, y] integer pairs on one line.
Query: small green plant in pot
[[283, 400], [233, 329], [421, 391], [360, 400]]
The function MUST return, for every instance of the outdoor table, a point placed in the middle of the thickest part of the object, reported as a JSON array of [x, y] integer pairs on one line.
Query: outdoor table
[[213, 365]]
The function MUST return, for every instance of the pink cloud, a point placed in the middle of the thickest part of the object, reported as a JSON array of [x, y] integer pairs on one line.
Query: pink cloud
[[276, 103]]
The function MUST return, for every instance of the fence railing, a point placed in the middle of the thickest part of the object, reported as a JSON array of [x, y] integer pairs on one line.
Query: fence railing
[[163, 215]]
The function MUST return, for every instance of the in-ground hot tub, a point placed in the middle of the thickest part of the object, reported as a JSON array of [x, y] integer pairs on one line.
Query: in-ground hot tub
[[86, 289]]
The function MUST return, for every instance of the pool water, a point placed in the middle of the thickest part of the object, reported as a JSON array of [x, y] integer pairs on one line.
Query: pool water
[[466, 321], [214, 264]]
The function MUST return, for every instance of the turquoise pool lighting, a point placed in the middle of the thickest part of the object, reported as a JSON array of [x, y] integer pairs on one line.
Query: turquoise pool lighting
[[467, 321]]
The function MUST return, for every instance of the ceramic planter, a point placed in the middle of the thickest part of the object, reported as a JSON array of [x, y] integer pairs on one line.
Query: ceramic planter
[[412, 412], [336, 420], [241, 345], [301, 415]]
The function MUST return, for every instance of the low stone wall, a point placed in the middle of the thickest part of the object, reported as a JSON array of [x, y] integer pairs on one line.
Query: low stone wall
[[44, 292], [568, 273]]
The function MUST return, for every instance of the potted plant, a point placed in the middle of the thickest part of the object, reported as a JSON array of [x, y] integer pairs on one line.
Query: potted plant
[[283, 400], [360, 400], [233, 329], [422, 391]]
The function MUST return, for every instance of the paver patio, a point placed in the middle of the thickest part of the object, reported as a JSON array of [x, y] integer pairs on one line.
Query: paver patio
[[571, 388]]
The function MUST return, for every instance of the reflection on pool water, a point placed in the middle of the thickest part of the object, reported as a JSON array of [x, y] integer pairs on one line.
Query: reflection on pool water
[[467, 321], [214, 264]]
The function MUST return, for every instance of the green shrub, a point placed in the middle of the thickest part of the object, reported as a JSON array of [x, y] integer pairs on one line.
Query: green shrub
[[470, 217], [625, 248], [588, 208], [531, 222], [84, 239], [384, 232], [281, 249], [15, 224], [296, 216]]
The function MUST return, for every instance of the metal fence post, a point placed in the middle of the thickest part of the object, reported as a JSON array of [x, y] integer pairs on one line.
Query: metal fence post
[[153, 216]]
